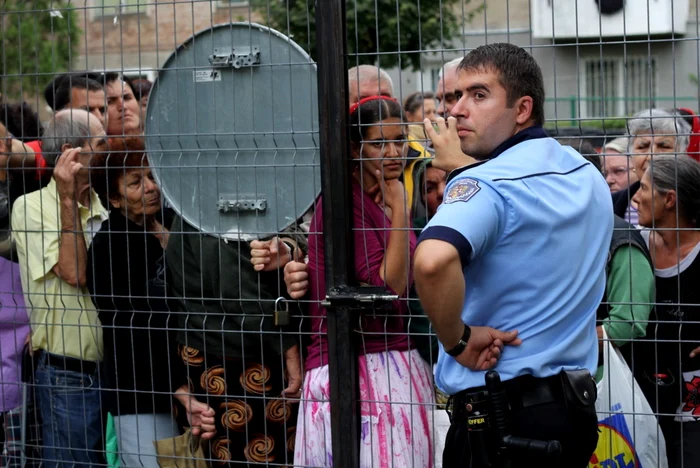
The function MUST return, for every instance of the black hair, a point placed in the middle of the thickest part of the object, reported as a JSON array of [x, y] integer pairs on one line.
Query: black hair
[[65, 90], [370, 113], [110, 77], [51, 89], [141, 88], [21, 121], [414, 101], [518, 73]]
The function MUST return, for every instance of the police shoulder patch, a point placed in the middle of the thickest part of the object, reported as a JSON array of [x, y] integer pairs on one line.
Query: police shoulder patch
[[462, 190]]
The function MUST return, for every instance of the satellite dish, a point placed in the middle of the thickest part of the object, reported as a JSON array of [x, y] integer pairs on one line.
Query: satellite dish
[[232, 131], [610, 7]]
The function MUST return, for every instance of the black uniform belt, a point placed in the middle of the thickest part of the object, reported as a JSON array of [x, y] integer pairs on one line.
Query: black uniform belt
[[522, 392], [68, 363]]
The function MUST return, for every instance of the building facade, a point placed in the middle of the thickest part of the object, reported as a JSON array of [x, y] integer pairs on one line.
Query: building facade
[[595, 65]]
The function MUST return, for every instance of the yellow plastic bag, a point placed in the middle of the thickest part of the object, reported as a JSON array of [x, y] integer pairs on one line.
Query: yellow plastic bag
[[183, 451]]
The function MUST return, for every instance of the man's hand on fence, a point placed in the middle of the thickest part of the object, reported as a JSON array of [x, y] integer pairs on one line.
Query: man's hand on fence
[[65, 172], [199, 415], [297, 279], [695, 352], [272, 254], [292, 364], [447, 144]]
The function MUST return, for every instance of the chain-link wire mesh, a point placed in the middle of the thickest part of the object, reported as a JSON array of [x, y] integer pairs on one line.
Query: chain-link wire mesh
[[210, 213]]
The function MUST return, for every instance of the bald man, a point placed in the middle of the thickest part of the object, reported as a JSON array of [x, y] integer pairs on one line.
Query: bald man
[[52, 228], [447, 83], [368, 80]]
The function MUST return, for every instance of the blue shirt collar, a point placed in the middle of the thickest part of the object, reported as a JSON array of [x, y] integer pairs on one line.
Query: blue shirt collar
[[530, 133]]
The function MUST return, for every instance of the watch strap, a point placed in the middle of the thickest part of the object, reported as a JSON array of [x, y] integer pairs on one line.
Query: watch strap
[[462, 344]]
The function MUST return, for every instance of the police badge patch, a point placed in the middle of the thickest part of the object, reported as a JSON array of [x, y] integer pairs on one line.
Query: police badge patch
[[462, 190]]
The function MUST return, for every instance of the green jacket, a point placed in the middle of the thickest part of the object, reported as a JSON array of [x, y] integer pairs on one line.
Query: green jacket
[[630, 290]]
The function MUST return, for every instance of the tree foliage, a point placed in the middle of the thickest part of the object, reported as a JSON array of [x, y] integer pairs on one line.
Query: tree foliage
[[377, 30], [39, 38]]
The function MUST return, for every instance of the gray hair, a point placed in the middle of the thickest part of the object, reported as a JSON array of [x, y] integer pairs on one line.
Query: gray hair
[[369, 72], [680, 174], [452, 64], [621, 145], [71, 127], [660, 122]]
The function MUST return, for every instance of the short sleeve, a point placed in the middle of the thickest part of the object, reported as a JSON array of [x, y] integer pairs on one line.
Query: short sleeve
[[36, 236], [471, 218]]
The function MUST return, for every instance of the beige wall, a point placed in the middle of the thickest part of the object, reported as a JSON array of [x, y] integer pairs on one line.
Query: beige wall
[[146, 40]]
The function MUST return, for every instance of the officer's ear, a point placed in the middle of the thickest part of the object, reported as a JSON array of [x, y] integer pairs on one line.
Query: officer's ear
[[523, 107]]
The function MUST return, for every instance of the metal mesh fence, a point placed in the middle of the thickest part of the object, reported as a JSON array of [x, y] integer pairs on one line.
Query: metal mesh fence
[[229, 238]]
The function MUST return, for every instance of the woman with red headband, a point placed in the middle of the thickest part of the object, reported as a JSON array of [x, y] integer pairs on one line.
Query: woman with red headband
[[395, 382]]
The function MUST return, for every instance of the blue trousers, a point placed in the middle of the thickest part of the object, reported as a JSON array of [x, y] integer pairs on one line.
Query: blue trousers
[[71, 410]]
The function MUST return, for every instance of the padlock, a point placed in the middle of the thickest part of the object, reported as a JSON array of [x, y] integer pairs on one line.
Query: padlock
[[281, 312]]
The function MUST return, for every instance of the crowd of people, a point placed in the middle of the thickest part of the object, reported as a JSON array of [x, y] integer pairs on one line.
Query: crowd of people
[[115, 308]]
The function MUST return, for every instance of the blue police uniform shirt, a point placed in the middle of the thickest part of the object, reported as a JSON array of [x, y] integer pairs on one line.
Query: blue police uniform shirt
[[533, 226]]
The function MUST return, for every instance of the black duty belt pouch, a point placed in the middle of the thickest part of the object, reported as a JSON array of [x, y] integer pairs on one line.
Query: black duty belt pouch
[[580, 390]]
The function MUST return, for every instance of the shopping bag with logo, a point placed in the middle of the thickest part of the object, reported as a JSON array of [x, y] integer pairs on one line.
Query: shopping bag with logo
[[630, 436]]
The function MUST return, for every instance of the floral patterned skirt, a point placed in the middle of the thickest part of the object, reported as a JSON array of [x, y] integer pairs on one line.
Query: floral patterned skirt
[[396, 391], [253, 422]]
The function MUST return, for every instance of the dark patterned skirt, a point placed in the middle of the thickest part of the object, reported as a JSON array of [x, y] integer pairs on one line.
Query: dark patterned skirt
[[254, 424]]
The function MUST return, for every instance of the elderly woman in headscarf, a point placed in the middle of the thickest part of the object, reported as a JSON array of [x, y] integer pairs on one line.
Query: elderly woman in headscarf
[[652, 132]]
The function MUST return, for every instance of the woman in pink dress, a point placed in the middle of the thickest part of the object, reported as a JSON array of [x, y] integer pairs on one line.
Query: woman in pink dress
[[395, 383]]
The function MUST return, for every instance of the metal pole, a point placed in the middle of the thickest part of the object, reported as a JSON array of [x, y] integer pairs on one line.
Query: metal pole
[[331, 48]]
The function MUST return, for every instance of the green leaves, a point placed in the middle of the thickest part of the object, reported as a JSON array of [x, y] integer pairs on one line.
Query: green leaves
[[393, 32], [36, 43]]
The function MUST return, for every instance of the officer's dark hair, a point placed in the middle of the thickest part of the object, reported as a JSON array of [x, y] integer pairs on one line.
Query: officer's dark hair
[[369, 112], [679, 173], [414, 101], [58, 92], [517, 71]]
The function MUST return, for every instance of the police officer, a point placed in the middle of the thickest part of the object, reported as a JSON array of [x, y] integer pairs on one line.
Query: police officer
[[520, 243]]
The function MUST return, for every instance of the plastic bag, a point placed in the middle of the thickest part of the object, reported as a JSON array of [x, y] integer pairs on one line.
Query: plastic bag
[[111, 443], [183, 451], [630, 435]]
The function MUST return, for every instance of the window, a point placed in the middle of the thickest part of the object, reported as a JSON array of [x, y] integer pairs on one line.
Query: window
[[610, 90], [110, 7], [428, 78], [232, 3], [601, 88], [640, 88]]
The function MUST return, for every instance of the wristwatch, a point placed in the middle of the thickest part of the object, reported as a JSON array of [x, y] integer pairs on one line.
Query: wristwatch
[[459, 347]]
